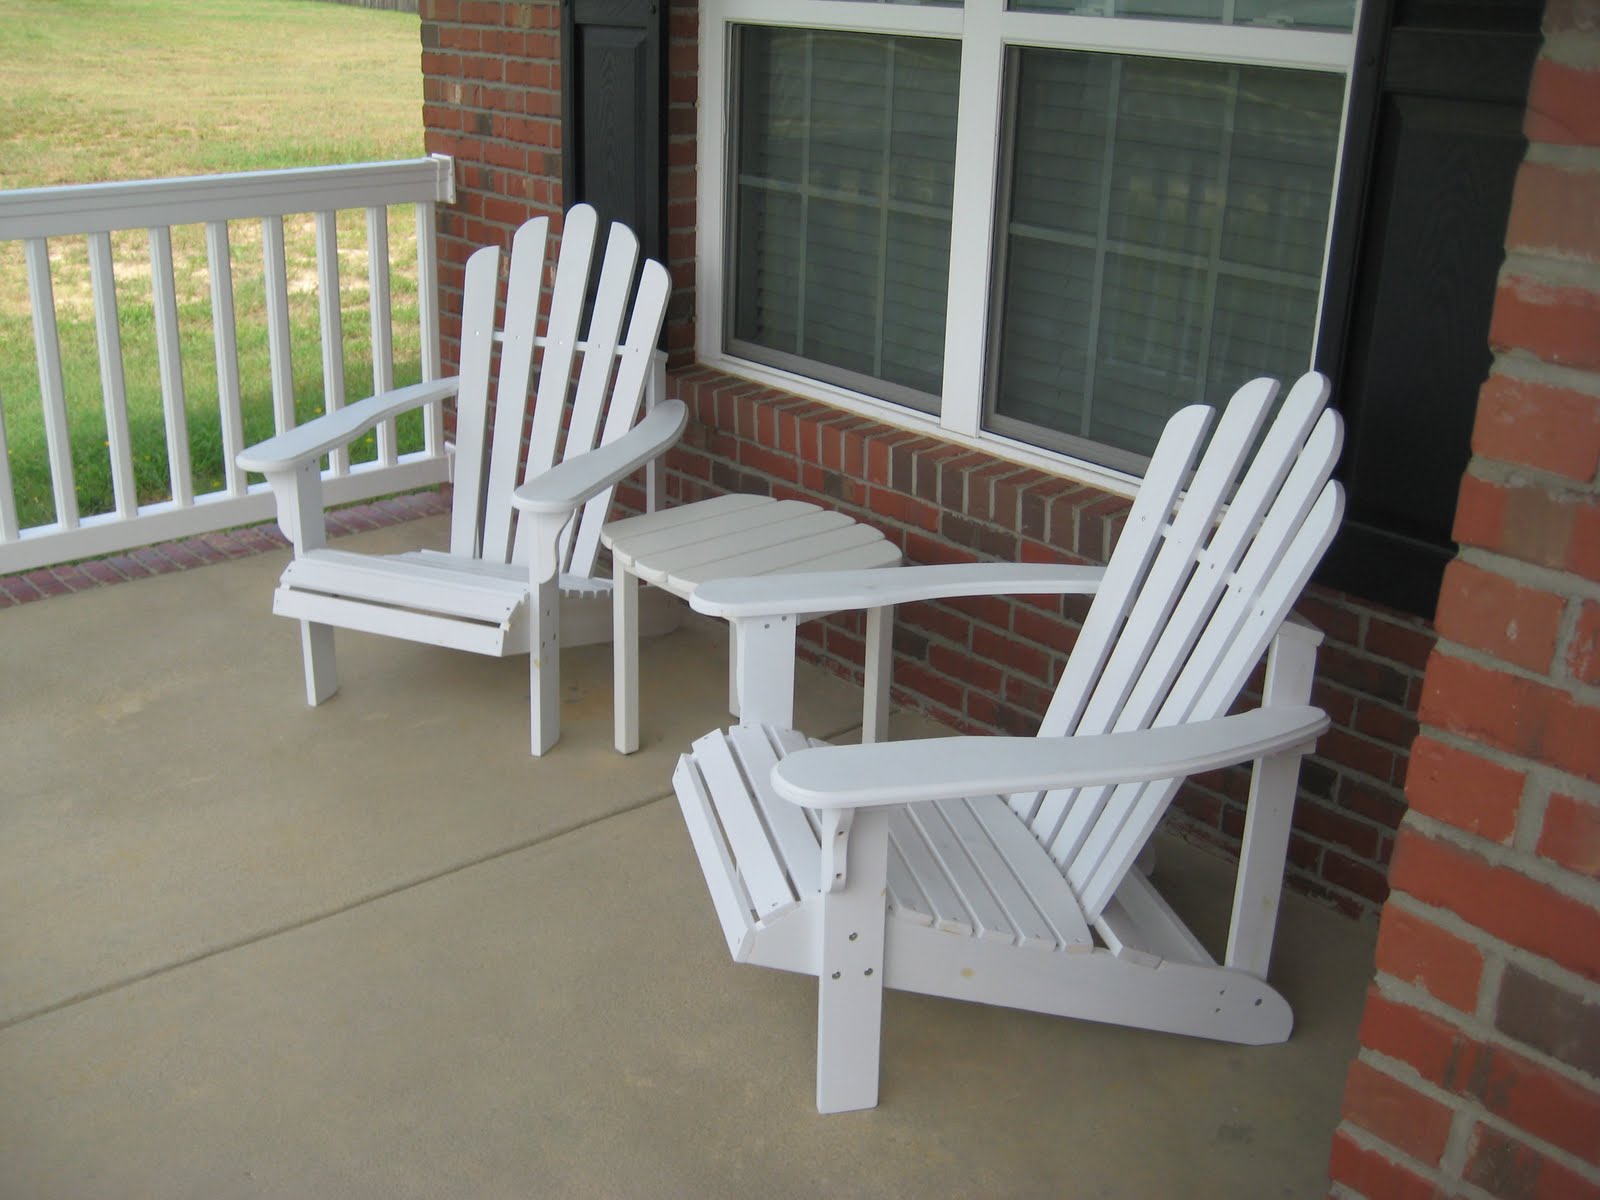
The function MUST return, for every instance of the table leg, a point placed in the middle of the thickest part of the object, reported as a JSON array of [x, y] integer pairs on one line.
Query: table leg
[[625, 660], [880, 654]]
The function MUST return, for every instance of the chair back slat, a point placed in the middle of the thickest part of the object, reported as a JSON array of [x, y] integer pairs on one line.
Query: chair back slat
[[1193, 594], [1065, 827], [1106, 857], [477, 350], [517, 348], [561, 339], [635, 361], [584, 426], [1125, 572]]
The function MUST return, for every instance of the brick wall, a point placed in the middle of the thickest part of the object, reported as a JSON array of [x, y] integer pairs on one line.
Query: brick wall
[[491, 99], [1479, 1069]]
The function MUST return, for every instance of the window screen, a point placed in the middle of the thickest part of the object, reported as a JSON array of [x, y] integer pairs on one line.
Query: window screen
[[844, 154], [1162, 238]]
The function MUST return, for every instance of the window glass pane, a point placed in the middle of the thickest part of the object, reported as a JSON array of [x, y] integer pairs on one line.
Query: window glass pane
[[1291, 14], [1163, 237], [845, 157]]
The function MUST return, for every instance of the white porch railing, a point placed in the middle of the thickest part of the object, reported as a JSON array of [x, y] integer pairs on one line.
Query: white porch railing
[[94, 211]]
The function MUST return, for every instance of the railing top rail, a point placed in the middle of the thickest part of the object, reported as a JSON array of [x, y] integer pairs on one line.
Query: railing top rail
[[102, 207]]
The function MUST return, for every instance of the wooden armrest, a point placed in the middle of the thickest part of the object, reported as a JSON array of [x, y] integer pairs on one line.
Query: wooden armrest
[[837, 591], [332, 430], [828, 777], [567, 485]]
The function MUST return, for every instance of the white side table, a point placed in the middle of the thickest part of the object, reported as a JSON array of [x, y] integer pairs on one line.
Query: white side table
[[677, 549]]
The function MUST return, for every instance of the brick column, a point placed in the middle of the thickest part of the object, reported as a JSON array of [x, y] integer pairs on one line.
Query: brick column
[[1479, 1068], [491, 99]]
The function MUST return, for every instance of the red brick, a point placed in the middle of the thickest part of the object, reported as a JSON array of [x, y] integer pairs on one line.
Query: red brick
[[1372, 1174], [1536, 524], [1537, 1099], [1328, 613], [1570, 835], [966, 667], [1400, 1115], [1549, 1017], [1537, 425], [1357, 753], [1489, 612], [1404, 644], [1436, 1048], [1459, 787], [1556, 211], [1499, 900], [1361, 878], [1508, 1168], [1563, 105], [1417, 951], [1583, 652], [1559, 324], [1393, 726], [1011, 653], [1514, 714]]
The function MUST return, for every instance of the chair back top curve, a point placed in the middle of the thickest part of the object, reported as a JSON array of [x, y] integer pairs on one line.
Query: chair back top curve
[[586, 387], [1188, 605]]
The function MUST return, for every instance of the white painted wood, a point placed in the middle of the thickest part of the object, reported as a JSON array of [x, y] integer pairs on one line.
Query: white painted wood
[[734, 908], [760, 870], [970, 894], [879, 668], [332, 324], [96, 210], [949, 768], [477, 597], [757, 750], [276, 282], [850, 982], [428, 318], [169, 357], [9, 530], [829, 591], [941, 905], [224, 337], [52, 391], [381, 323], [104, 207], [952, 856], [113, 389], [625, 663]]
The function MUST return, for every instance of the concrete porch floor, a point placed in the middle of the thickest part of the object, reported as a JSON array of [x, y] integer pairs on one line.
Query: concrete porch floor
[[249, 948]]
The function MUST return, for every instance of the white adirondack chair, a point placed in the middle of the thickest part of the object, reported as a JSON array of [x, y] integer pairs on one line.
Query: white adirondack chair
[[1005, 870], [507, 585]]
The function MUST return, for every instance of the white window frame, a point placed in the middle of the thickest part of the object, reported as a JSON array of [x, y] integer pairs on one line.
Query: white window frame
[[986, 31]]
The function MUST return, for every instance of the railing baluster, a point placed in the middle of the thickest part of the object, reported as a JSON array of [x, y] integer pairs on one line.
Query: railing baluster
[[52, 391], [276, 280], [382, 322], [113, 383], [169, 357], [9, 529], [428, 312], [224, 335], [332, 327]]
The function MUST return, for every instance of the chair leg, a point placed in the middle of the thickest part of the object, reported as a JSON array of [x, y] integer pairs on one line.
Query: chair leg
[[625, 661], [316, 650], [544, 664], [850, 986]]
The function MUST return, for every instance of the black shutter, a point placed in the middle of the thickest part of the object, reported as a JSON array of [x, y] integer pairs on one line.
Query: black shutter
[[612, 106], [1434, 145]]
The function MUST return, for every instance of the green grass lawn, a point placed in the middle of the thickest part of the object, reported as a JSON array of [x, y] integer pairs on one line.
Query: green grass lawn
[[92, 91]]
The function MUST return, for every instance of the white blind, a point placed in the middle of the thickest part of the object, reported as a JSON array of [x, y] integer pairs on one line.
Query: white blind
[[844, 161], [1163, 237]]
